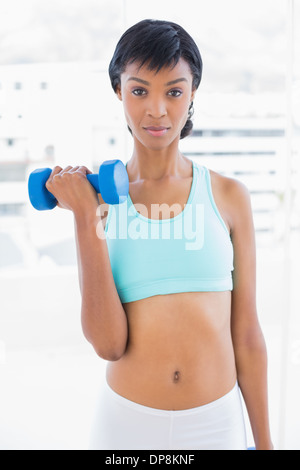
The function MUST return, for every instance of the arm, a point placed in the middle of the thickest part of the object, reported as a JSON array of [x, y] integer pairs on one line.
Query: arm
[[104, 321], [248, 341]]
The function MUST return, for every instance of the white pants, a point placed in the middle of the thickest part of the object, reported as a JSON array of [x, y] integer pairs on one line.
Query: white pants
[[122, 424]]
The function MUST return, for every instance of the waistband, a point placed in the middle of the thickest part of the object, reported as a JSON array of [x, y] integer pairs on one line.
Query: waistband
[[232, 395]]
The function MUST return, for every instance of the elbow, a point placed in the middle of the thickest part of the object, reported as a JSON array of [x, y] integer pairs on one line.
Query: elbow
[[250, 348], [108, 340], [109, 354], [111, 350]]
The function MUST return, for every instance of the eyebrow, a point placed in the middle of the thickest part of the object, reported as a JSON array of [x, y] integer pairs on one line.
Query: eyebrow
[[144, 82]]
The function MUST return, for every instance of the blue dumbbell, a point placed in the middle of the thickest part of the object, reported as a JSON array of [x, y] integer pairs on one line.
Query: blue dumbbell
[[111, 181]]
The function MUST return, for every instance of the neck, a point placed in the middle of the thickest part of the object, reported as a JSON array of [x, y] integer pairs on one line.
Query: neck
[[149, 164]]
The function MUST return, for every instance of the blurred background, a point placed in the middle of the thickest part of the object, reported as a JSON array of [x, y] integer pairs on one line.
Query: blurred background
[[57, 107]]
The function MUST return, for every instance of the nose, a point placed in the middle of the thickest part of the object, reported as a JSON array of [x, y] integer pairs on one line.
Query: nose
[[156, 109]]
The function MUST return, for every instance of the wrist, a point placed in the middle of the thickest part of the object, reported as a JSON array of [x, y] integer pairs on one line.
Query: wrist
[[86, 217], [264, 445]]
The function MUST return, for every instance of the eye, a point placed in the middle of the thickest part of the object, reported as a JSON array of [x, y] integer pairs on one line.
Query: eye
[[175, 93], [138, 92]]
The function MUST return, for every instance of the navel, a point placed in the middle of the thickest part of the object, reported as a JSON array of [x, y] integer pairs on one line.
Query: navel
[[176, 376]]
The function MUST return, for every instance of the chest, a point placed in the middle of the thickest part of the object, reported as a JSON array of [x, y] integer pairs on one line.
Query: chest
[[161, 200]]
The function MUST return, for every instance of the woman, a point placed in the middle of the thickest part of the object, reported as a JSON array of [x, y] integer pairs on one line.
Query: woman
[[168, 278]]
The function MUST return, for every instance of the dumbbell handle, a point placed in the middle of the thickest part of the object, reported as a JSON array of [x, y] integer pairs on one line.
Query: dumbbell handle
[[93, 179]]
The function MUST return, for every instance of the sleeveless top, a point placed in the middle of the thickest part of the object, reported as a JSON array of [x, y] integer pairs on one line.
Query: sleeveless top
[[191, 252]]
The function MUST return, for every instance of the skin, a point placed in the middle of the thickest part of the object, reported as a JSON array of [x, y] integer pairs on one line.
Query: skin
[[182, 350]]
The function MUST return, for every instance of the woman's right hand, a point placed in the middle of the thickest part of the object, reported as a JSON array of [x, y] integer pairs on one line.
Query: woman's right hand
[[72, 189]]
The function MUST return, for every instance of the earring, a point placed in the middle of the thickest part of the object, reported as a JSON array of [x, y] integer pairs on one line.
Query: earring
[[191, 110]]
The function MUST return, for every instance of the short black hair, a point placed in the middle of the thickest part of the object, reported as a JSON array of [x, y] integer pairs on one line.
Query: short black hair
[[158, 44]]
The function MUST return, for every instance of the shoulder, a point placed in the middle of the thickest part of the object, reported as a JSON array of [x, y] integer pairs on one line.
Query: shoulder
[[234, 197], [231, 187]]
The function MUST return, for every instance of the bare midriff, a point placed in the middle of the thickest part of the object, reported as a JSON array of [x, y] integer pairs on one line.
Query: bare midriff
[[179, 353]]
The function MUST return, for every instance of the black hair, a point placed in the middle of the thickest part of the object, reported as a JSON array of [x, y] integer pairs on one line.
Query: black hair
[[158, 44]]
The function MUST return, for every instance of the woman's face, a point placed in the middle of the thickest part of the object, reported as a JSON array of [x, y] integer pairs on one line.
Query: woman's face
[[156, 105]]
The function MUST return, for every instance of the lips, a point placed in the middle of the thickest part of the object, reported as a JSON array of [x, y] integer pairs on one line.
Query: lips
[[156, 131]]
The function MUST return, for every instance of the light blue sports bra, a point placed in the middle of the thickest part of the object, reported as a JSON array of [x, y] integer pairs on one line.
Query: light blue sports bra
[[191, 252]]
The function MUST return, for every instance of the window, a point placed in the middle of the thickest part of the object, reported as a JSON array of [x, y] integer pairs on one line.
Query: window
[[13, 172]]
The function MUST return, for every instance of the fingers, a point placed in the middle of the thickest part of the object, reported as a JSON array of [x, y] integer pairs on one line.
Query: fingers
[[76, 169], [84, 170], [66, 170], [59, 172], [87, 170], [56, 171]]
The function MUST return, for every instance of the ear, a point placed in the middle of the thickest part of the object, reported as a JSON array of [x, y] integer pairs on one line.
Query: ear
[[118, 92], [194, 90]]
